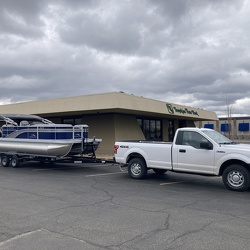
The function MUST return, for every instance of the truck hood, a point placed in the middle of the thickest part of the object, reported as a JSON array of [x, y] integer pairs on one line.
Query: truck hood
[[237, 147]]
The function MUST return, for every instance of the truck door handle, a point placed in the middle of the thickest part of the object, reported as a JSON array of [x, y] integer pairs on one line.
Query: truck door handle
[[182, 150]]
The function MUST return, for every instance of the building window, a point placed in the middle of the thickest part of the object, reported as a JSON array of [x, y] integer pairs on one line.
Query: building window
[[243, 127], [225, 127], [211, 126], [72, 121], [151, 128]]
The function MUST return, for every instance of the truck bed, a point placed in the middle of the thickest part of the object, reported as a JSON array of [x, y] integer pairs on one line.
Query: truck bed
[[144, 141]]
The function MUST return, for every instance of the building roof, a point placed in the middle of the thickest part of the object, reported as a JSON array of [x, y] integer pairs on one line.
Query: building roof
[[114, 102]]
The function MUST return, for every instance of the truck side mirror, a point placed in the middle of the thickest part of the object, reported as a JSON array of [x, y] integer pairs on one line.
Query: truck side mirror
[[206, 145]]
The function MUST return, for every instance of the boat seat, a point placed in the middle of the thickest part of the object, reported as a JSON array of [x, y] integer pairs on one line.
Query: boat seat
[[24, 123]]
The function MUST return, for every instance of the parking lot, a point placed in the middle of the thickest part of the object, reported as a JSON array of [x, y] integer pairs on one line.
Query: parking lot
[[96, 206]]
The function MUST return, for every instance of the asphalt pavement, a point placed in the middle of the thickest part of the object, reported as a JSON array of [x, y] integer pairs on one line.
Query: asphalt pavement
[[96, 206]]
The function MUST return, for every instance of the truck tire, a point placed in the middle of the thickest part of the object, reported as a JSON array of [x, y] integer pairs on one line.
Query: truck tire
[[5, 160], [14, 161], [159, 171], [236, 177], [137, 168]]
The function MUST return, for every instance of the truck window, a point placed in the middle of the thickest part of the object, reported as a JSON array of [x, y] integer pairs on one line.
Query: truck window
[[193, 139]]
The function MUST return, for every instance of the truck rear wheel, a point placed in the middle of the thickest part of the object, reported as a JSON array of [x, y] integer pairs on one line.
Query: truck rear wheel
[[137, 168], [5, 160], [236, 178], [14, 161]]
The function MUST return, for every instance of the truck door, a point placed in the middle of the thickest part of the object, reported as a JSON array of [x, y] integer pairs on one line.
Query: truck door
[[192, 152]]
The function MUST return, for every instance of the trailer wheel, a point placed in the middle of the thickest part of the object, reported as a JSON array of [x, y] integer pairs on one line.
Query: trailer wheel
[[137, 168], [159, 171], [5, 160], [14, 161], [236, 178]]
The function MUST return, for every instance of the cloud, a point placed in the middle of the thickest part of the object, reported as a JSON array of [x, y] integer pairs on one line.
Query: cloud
[[189, 52]]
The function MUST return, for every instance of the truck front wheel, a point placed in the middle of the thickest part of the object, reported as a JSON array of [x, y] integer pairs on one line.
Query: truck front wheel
[[137, 168], [236, 178]]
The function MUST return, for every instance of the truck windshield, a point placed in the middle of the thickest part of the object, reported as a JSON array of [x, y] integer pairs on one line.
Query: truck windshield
[[217, 137]]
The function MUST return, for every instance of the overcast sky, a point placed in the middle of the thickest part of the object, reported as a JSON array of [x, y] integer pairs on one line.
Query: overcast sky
[[190, 52]]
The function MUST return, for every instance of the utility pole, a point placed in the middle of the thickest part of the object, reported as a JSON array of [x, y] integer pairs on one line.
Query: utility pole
[[229, 107]]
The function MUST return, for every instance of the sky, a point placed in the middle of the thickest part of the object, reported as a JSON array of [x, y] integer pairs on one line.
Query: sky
[[189, 52]]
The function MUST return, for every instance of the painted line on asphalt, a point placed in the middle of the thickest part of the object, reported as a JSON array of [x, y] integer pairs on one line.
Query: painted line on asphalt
[[48, 169], [99, 165], [75, 167], [44, 169], [170, 183], [92, 175]]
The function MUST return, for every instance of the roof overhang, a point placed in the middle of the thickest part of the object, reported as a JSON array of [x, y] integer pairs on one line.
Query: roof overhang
[[114, 102]]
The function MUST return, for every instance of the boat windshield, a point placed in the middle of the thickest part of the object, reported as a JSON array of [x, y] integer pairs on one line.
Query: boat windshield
[[217, 137]]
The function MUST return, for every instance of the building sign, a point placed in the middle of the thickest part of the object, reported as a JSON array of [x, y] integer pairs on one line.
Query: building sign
[[172, 110]]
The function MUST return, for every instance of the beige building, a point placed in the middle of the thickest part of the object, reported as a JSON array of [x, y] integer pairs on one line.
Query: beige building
[[116, 116]]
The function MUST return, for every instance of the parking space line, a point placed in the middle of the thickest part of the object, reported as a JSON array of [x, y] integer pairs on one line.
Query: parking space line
[[48, 169], [41, 169], [91, 175], [75, 167], [170, 183]]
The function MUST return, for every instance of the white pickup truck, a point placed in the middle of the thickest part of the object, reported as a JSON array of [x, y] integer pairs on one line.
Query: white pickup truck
[[194, 150]]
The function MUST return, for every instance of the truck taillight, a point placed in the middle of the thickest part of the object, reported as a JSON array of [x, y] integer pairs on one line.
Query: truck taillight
[[115, 149]]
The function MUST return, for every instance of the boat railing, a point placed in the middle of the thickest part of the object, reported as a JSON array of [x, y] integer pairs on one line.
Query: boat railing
[[9, 121], [77, 131], [45, 131], [46, 121], [83, 129]]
